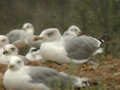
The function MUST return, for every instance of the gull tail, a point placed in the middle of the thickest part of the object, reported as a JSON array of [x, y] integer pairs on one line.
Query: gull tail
[[80, 82], [104, 38], [80, 61], [98, 51], [77, 82]]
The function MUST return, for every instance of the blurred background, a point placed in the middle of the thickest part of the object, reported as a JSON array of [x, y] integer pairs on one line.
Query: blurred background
[[94, 17]]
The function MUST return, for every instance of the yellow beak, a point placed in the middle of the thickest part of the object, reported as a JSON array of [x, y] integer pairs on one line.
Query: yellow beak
[[37, 38]]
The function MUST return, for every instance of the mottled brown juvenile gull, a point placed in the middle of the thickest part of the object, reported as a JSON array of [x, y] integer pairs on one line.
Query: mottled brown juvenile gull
[[21, 77]]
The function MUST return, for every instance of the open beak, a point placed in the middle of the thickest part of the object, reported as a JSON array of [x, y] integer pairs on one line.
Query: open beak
[[37, 38]]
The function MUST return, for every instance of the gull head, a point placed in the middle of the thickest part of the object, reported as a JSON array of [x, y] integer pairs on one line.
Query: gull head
[[10, 49], [28, 27], [73, 30], [15, 63], [34, 50], [3, 40], [49, 35]]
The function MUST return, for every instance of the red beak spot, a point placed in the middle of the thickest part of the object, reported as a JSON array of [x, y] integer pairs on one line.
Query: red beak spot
[[81, 33]]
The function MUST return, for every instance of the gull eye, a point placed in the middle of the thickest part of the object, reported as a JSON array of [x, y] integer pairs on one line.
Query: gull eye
[[50, 34], [73, 30], [76, 30], [27, 26], [13, 49], [3, 40], [35, 49], [18, 62]]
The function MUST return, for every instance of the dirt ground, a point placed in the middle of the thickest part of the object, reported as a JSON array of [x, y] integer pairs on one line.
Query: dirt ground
[[106, 74]]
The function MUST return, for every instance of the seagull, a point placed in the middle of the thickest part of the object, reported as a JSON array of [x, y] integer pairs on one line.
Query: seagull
[[22, 37], [21, 77], [34, 54], [3, 41], [62, 50], [10, 50], [73, 30]]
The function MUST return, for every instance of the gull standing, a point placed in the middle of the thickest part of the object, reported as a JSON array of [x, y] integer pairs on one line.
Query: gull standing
[[56, 48], [21, 77]]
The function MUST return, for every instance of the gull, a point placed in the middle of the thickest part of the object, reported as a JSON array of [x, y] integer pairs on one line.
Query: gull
[[3, 41], [10, 50], [34, 54], [73, 30], [21, 77], [62, 50], [23, 37]]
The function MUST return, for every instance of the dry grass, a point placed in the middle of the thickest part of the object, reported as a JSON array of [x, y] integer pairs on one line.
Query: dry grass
[[107, 74]]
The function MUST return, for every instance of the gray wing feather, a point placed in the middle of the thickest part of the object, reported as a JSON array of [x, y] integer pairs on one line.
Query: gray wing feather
[[41, 74], [49, 77], [16, 35], [17, 38], [81, 47]]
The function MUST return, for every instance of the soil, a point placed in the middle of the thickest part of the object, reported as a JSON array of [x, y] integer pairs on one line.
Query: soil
[[105, 76]]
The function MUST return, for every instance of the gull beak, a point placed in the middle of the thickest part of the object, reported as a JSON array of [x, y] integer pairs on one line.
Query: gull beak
[[80, 33], [37, 38], [5, 52], [11, 66]]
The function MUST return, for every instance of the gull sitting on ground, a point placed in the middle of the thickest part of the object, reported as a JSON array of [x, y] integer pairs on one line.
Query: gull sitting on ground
[[73, 30], [22, 37], [34, 54], [3, 41], [60, 49], [10, 50], [21, 77]]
